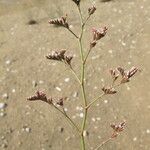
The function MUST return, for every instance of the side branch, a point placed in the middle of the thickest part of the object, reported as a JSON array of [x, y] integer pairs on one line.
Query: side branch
[[103, 94], [68, 118], [72, 33], [103, 143], [74, 73], [85, 59], [96, 99]]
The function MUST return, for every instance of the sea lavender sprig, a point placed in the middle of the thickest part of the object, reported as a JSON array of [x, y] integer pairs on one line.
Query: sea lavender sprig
[[61, 56]]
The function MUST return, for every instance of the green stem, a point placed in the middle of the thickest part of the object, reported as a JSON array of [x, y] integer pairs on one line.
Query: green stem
[[82, 142], [82, 81]]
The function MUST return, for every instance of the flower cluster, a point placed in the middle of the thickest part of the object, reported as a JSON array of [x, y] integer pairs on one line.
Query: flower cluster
[[60, 56], [117, 128], [97, 35], [60, 22], [40, 95], [126, 75]]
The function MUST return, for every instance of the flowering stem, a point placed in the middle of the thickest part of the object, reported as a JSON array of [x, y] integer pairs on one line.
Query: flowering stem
[[82, 80], [68, 118]]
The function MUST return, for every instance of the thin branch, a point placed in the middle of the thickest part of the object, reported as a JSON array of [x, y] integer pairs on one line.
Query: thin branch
[[90, 48], [81, 18], [68, 118], [72, 33], [85, 59], [103, 143], [74, 73], [99, 97], [64, 111], [86, 20], [96, 99]]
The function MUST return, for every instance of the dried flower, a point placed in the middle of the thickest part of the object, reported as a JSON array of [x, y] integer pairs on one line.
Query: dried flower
[[60, 22], [56, 55], [117, 128], [126, 75], [122, 71], [109, 90], [132, 72], [91, 10], [114, 73], [97, 35], [60, 56], [40, 95], [77, 2]]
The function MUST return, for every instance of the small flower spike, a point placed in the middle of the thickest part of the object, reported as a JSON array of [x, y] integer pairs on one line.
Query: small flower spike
[[97, 35], [59, 55], [114, 73], [91, 10], [126, 75], [132, 72], [117, 128], [60, 22], [109, 90], [77, 2], [40, 95]]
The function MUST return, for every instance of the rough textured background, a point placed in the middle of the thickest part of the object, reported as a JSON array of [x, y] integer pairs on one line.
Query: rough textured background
[[36, 126]]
